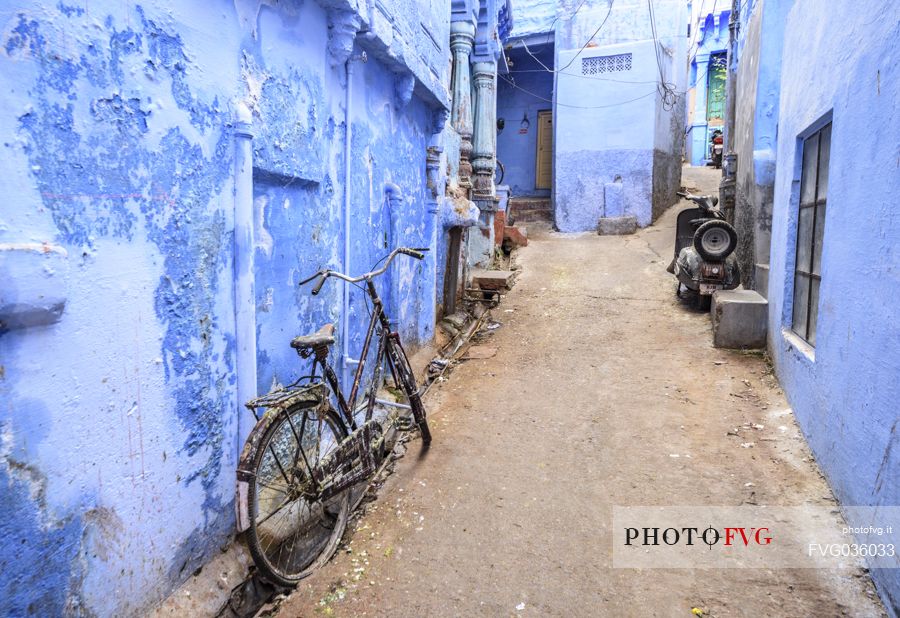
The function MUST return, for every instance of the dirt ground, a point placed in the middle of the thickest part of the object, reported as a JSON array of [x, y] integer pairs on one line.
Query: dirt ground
[[601, 376]]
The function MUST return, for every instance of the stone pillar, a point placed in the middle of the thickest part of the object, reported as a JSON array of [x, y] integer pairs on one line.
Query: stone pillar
[[481, 245], [462, 37], [485, 135]]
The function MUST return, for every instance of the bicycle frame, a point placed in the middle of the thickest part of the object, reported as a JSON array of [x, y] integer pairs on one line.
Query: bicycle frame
[[361, 436], [347, 405]]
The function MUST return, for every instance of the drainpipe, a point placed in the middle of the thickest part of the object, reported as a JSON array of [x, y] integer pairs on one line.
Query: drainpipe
[[393, 195], [729, 162], [244, 248], [348, 362]]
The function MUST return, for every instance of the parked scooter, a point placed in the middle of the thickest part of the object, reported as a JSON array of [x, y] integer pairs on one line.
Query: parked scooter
[[704, 248], [718, 146]]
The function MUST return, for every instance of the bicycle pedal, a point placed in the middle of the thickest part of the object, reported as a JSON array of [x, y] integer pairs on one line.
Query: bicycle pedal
[[405, 423]]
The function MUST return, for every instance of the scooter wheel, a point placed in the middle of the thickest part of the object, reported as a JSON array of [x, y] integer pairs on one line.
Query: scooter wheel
[[715, 240]]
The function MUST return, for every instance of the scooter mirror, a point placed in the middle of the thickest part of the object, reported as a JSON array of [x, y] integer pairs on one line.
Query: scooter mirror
[[715, 201]]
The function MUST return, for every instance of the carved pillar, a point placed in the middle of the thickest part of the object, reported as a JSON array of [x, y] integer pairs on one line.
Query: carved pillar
[[485, 135], [462, 37]]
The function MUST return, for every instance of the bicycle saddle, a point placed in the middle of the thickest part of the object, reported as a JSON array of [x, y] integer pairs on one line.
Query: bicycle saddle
[[324, 336]]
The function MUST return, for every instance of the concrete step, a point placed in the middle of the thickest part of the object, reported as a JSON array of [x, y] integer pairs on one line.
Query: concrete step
[[527, 210], [617, 226], [492, 279], [739, 319]]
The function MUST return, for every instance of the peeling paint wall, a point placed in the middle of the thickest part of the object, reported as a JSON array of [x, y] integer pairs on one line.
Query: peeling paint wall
[[842, 60], [119, 422]]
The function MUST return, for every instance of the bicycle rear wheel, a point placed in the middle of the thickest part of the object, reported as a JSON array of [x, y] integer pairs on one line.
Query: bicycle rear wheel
[[407, 382], [291, 531]]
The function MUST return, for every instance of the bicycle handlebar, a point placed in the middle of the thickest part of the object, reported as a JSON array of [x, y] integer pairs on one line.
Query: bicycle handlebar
[[319, 284], [418, 253]]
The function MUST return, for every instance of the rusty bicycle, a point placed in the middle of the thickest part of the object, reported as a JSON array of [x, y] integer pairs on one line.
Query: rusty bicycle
[[303, 457]]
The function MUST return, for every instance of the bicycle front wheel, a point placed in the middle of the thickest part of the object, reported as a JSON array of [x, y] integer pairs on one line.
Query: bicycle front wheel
[[407, 382], [291, 531]]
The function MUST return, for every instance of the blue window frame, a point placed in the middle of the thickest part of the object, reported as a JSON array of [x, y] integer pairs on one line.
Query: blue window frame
[[810, 233]]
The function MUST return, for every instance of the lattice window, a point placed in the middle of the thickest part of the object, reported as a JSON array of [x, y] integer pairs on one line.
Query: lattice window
[[605, 64]]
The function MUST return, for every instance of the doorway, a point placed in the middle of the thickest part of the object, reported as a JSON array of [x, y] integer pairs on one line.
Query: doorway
[[543, 175]]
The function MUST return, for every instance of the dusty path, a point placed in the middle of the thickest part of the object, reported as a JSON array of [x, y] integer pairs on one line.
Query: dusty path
[[597, 383]]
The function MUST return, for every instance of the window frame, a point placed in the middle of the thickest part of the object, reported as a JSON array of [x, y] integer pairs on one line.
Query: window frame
[[810, 271]]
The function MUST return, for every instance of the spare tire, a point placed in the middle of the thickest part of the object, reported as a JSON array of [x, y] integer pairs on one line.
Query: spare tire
[[715, 240]]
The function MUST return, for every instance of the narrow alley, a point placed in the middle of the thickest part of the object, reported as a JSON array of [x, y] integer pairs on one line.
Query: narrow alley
[[605, 391], [364, 308]]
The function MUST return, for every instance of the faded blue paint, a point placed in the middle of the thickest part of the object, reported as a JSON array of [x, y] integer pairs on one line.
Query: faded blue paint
[[119, 432], [842, 63]]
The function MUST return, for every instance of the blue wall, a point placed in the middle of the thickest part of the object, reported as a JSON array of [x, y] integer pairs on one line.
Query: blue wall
[[617, 147], [710, 36], [516, 150], [119, 428], [842, 62], [758, 82]]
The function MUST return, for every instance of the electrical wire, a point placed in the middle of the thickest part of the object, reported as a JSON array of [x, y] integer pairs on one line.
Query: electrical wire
[[703, 17], [551, 31], [599, 79], [583, 47], [668, 94], [537, 96], [697, 38]]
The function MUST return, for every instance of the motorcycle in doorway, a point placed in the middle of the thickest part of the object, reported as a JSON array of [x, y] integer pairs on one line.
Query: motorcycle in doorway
[[717, 147], [704, 258]]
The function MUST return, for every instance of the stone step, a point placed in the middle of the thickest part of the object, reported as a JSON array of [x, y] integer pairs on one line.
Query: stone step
[[527, 210], [617, 226], [492, 279], [517, 203], [532, 215]]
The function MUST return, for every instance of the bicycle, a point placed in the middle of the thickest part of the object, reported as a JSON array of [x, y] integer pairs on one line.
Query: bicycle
[[303, 456]]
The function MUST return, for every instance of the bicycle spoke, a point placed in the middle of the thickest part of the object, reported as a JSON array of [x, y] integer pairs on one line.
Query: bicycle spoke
[[273, 513], [292, 528], [279, 488], [298, 438], [280, 467], [275, 529]]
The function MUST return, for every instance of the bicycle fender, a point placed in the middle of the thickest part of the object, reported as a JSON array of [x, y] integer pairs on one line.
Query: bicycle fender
[[245, 474]]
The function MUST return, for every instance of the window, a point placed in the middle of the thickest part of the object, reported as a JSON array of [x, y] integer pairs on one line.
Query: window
[[605, 64], [716, 75], [810, 231]]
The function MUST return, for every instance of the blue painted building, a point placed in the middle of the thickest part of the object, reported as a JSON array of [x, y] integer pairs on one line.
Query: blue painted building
[[707, 51], [521, 114], [171, 171], [816, 199], [593, 128]]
